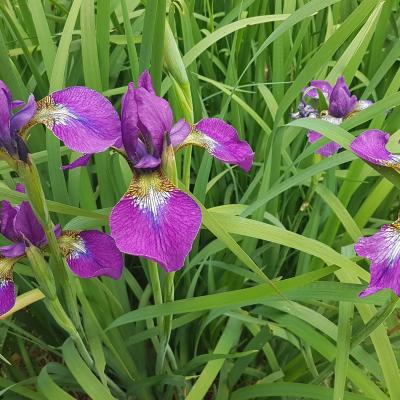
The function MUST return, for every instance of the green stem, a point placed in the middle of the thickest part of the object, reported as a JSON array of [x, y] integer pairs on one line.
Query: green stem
[[29, 174]]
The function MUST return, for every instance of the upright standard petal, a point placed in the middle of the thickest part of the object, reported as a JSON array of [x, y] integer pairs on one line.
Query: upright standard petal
[[341, 103], [130, 122], [221, 141], [27, 225], [91, 253], [145, 82], [7, 287], [156, 220], [371, 146], [82, 118], [179, 132], [155, 116], [7, 218], [327, 149], [383, 249]]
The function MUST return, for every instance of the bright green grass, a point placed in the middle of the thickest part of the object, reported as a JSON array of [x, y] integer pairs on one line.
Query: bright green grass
[[293, 219]]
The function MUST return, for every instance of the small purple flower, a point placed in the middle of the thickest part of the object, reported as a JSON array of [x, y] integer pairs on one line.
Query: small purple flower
[[154, 219], [371, 146], [88, 253], [341, 105], [383, 249]]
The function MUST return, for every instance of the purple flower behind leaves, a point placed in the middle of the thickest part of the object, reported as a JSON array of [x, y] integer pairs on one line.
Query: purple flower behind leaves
[[88, 253], [341, 105], [383, 250]]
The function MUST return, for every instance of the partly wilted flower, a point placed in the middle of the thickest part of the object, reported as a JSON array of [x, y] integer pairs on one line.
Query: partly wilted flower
[[383, 249], [154, 219], [371, 146], [341, 105], [88, 253]]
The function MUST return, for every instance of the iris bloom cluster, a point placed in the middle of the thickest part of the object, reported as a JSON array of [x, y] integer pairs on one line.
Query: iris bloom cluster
[[69, 113], [153, 219], [341, 105], [382, 248]]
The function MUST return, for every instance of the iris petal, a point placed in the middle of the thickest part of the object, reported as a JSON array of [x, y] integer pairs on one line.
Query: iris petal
[[91, 253], [221, 140], [312, 91], [7, 287], [383, 249], [82, 118], [371, 146], [327, 149], [79, 162], [27, 225], [156, 220]]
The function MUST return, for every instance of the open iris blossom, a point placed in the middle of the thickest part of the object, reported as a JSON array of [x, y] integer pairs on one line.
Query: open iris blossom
[[371, 146], [72, 114], [383, 249], [88, 253], [341, 105], [154, 219]]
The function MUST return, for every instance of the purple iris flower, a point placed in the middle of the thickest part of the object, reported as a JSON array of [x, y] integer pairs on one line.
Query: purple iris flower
[[383, 249], [73, 114], [341, 105], [88, 253], [371, 146], [154, 219]]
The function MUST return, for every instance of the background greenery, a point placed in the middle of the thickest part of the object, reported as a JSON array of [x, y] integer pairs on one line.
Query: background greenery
[[293, 219]]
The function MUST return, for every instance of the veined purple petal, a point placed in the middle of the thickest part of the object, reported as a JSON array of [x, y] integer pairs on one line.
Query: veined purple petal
[[7, 294], [7, 218], [221, 141], [82, 118], [383, 249], [371, 146], [156, 220], [7, 287], [24, 115], [129, 122], [79, 162], [27, 225], [341, 103], [19, 187], [312, 91], [13, 250], [145, 82], [156, 118], [5, 116], [91, 253], [179, 132], [327, 149]]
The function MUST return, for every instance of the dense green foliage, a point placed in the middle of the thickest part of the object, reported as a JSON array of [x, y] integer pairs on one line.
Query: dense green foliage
[[267, 304]]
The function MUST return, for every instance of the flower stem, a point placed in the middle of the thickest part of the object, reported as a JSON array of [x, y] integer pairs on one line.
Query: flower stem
[[29, 174]]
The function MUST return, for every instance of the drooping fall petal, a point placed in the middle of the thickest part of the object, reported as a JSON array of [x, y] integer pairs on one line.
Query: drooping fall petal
[[91, 253], [156, 220], [82, 118], [222, 141], [371, 146], [79, 162], [7, 287], [383, 249]]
